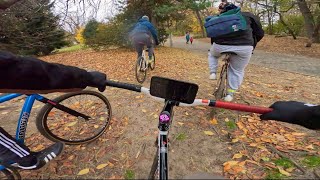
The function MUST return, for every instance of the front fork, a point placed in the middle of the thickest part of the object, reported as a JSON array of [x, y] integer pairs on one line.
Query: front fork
[[165, 119]]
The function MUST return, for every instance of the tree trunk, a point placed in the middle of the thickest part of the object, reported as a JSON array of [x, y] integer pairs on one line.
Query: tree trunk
[[316, 35], [308, 18], [286, 25], [4, 4], [170, 38], [269, 19], [200, 22]]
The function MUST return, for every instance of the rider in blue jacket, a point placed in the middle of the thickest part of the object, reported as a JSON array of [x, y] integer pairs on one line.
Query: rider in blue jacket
[[144, 33]]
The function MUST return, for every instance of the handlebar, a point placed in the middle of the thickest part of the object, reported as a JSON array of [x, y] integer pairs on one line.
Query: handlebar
[[197, 102], [131, 87]]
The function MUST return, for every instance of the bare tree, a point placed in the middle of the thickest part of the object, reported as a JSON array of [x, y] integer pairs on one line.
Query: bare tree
[[75, 13], [312, 23], [4, 4]]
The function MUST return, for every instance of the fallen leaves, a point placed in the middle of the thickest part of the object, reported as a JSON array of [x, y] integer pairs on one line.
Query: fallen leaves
[[83, 172], [237, 156], [282, 171], [209, 133], [72, 123], [256, 135], [234, 167], [100, 166], [214, 121]]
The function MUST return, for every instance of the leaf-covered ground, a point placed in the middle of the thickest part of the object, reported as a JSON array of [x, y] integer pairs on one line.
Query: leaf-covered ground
[[202, 139]]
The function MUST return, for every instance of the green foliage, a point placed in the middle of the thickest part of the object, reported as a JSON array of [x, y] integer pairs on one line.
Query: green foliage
[[71, 48], [284, 162], [295, 22], [162, 35], [90, 29], [181, 136], [231, 124], [274, 174], [104, 35], [129, 174], [312, 161], [196, 5], [30, 28]]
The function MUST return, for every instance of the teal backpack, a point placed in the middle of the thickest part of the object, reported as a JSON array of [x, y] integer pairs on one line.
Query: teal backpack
[[225, 23]]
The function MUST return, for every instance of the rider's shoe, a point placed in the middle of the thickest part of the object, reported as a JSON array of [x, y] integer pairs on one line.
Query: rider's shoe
[[42, 157], [150, 59], [228, 98], [213, 76]]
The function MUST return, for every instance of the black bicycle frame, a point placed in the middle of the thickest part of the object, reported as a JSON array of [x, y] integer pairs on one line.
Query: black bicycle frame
[[165, 120]]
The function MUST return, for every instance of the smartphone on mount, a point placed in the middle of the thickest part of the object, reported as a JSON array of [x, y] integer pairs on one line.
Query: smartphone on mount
[[173, 90]]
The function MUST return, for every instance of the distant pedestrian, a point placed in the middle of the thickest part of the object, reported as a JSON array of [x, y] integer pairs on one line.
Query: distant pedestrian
[[191, 39], [187, 37]]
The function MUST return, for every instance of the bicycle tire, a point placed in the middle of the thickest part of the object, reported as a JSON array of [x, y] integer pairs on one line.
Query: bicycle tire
[[11, 174], [152, 65], [44, 129], [222, 83], [139, 71], [154, 168]]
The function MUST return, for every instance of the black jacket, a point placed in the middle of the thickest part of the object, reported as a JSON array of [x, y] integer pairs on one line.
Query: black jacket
[[27, 73], [251, 36]]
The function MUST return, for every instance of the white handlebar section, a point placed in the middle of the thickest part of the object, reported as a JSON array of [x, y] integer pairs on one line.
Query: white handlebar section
[[196, 102]]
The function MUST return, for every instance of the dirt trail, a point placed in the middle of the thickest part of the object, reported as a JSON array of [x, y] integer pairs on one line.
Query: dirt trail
[[286, 62]]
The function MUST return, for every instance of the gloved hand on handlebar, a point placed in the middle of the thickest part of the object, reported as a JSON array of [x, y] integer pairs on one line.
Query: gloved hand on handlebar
[[294, 112], [98, 80]]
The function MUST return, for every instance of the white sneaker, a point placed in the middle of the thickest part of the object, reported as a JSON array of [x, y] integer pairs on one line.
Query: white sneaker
[[228, 98], [213, 76]]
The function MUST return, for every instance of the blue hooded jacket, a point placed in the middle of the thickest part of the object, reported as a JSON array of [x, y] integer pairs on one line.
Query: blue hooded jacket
[[144, 26]]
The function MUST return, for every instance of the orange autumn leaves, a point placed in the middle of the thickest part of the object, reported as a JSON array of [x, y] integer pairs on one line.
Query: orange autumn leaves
[[256, 135]]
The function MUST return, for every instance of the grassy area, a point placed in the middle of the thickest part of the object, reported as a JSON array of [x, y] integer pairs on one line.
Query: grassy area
[[312, 161], [129, 174], [76, 47]]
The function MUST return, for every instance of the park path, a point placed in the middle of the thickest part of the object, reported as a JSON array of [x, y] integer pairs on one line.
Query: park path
[[284, 62]]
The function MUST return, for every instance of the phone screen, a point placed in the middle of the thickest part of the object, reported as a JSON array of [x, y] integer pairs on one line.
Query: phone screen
[[170, 89]]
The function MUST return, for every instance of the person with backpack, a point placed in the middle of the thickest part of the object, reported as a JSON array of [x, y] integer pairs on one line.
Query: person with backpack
[[144, 33], [232, 31], [187, 37]]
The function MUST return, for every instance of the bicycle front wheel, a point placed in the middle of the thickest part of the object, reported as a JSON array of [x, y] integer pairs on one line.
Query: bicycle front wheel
[[153, 62], [58, 125], [9, 174], [222, 83], [141, 70]]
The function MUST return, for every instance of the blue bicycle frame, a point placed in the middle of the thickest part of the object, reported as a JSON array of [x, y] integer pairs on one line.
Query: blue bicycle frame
[[24, 115], [26, 110]]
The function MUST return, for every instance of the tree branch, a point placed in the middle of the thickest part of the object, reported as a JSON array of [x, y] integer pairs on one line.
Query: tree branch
[[4, 4]]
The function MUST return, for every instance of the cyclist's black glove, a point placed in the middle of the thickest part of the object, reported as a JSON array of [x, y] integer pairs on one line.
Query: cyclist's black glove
[[296, 113], [98, 80]]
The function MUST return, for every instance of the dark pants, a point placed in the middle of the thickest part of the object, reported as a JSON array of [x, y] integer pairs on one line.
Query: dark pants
[[141, 40], [12, 151]]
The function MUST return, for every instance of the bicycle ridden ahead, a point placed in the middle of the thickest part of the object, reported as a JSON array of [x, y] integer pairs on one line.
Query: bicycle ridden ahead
[[144, 34], [143, 64], [232, 31]]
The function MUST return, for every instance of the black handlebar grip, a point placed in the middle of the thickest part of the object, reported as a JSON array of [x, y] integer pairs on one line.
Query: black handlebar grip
[[122, 85]]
